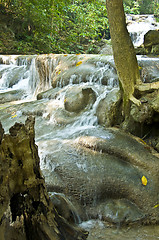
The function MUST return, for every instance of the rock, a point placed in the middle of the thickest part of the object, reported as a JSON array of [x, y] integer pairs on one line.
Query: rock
[[1, 132], [142, 115], [157, 146], [63, 117], [106, 49], [149, 111], [107, 167], [12, 95], [155, 49], [77, 98], [118, 212], [140, 50], [75, 75], [108, 110], [144, 119], [65, 208], [83, 69], [151, 38], [49, 94], [149, 70]]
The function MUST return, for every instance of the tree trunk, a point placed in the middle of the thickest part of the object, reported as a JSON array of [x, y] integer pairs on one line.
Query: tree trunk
[[26, 211], [123, 51]]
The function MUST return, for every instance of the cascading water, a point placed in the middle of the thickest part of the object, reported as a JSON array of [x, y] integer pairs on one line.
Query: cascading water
[[64, 114], [138, 25], [21, 73], [15, 75], [99, 77]]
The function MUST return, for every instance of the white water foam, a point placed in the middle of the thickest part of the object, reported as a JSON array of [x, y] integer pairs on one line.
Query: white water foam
[[139, 25]]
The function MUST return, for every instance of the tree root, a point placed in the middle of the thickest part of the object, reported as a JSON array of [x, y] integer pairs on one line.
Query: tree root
[[147, 87], [135, 100]]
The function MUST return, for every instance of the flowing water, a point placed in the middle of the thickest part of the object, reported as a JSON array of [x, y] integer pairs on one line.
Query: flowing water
[[21, 82], [138, 25]]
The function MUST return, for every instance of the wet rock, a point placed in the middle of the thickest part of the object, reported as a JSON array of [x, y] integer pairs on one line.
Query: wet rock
[[149, 70], [151, 40], [63, 117], [77, 98], [12, 95], [83, 69], [118, 211], [149, 111], [106, 49], [65, 208], [49, 94], [94, 170], [108, 110], [75, 75]]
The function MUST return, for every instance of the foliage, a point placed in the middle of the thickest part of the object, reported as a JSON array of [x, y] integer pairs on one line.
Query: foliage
[[156, 11], [146, 6], [57, 26], [62, 26], [140, 6], [84, 23], [132, 8]]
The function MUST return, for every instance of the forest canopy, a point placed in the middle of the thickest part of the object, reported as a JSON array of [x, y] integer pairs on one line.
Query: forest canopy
[[59, 26]]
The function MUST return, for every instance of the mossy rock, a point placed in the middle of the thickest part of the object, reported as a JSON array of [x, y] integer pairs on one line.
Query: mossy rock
[[151, 38]]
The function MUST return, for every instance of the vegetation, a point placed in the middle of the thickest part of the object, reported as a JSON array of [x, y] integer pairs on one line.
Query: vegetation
[[58, 26]]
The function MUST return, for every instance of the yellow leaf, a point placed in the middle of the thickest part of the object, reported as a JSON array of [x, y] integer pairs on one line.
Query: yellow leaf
[[140, 68], [65, 55], [144, 180], [80, 62], [65, 100], [59, 72], [157, 205], [77, 53], [14, 116], [143, 141]]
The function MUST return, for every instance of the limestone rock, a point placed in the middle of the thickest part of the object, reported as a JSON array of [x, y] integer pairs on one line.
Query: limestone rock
[[12, 95], [77, 98], [99, 169], [108, 112]]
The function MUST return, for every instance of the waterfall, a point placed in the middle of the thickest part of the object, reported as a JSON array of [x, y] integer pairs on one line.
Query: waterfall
[[15, 74], [68, 94], [138, 25], [22, 73]]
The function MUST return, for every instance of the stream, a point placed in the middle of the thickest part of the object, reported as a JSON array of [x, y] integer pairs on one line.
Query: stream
[[75, 100], [66, 113]]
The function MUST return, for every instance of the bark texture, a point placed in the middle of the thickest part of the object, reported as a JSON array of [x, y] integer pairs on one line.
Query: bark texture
[[123, 51], [26, 211]]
